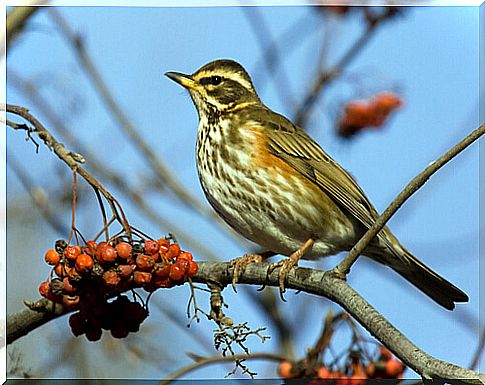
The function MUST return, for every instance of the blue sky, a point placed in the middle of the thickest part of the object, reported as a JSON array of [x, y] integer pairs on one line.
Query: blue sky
[[429, 55]]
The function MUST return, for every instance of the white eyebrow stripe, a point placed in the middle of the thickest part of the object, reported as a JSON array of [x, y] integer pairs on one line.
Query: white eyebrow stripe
[[235, 76]]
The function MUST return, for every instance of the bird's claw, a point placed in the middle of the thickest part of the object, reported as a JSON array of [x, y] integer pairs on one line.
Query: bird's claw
[[285, 267], [240, 264]]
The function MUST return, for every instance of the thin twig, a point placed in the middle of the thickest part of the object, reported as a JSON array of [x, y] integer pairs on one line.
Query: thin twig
[[413, 186], [218, 359], [325, 76], [479, 351], [42, 204], [70, 158]]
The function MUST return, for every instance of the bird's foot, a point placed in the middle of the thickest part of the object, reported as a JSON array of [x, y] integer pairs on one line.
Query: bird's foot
[[241, 263], [287, 264]]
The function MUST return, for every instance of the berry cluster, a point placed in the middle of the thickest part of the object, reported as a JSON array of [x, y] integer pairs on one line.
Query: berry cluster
[[385, 366], [87, 276], [363, 114]]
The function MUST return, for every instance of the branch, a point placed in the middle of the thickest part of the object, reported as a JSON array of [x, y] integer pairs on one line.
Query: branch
[[326, 284], [218, 359], [325, 76], [413, 186], [16, 20]]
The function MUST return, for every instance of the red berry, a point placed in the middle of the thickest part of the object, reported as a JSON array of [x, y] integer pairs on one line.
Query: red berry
[[176, 272], [94, 334], [193, 268], [78, 324], [52, 257], [69, 288], [163, 244], [394, 368], [151, 247], [162, 269], [186, 256], [84, 262], [44, 288], [111, 278], [285, 369], [142, 277], [59, 270], [72, 252], [161, 282], [173, 251], [125, 270], [385, 353], [107, 253], [124, 250], [145, 262], [120, 332], [70, 301], [90, 248]]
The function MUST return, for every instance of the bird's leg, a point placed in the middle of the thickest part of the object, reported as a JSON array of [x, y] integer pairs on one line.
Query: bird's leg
[[239, 264], [287, 264]]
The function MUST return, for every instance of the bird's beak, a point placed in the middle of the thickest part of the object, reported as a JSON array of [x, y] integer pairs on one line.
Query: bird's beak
[[182, 79]]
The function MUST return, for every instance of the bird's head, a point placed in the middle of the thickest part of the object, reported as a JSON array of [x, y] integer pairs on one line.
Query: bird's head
[[218, 86]]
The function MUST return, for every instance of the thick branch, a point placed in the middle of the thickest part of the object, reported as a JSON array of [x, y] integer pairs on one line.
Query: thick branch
[[328, 285], [311, 281], [410, 189]]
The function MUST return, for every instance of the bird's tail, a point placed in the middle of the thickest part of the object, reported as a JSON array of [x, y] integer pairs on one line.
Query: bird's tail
[[425, 279]]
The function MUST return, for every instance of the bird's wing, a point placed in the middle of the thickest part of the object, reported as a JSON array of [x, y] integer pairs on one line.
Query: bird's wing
[[297, 149]]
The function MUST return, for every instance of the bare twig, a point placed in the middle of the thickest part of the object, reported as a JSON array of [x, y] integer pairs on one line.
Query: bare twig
[[16, 21], [42, 204], [218, 359], [325, 76], [479, 351], [270, 54], [413, 186], [73, 160]]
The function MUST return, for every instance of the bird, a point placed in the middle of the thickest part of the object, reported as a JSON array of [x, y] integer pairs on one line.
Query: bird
[[276, 186]]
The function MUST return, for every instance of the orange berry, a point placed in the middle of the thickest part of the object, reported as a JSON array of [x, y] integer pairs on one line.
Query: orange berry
[[59, 270], [107, 253], [44, 288], [284, 369], [72, 252], [394, 368], [145, 262], [151, 247], [186, 256], [163, 244], [84, 262], [193, 268], [52, 257], [124, 250], [161, 282], [111, 278], [173, 251], [323, 372], [176, 272], [142, 277], [125, 270], [90, 248], [162, 269]]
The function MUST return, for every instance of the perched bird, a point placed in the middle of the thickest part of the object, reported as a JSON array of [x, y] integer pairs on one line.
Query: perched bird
[[272, 183]]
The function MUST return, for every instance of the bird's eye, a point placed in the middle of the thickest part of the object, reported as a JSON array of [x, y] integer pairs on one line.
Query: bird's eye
[[215, 80]]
